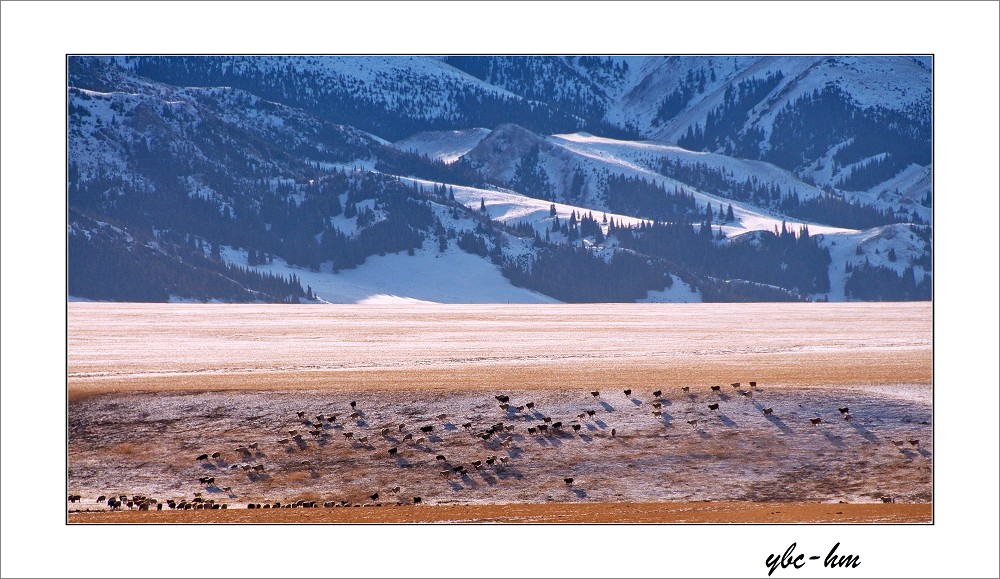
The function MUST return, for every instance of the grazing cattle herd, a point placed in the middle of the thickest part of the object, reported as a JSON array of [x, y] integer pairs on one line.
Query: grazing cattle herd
[[505, 435]]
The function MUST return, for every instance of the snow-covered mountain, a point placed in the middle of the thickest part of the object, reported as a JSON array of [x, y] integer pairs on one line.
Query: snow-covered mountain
[[492, 179]]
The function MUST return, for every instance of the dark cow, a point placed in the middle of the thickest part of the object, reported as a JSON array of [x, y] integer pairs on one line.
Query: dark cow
[[529, 405], [532, 430], [101, 499], [591, 413], [478, 464], [502, 398], [815, 421], [568, 480], [557, 425], [417, 500], [216, 455], [913, 441], [768, 411], [354, 404], [686, 388], [713, 406], [543, 427], [716, 388], [300, 414], [847, 417], [202, 457], [467, 425], [628, 392], [735, 384], [547, 419], [753, 384], [440, 457], [426, 429], [373, 496], [657, 393], [612, 433], [657, 405], [595, 393], [392, 451], [844, 410], [576, 427], [888, 500]]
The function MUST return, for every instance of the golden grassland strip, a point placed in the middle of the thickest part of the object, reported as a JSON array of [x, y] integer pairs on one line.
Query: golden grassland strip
[[667, 512], [770, 370]]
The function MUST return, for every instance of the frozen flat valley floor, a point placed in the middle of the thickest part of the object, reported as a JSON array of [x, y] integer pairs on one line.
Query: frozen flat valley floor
[[152, 387]]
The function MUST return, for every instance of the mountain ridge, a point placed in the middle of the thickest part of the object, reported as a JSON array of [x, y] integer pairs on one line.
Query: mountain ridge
[[250, 176]]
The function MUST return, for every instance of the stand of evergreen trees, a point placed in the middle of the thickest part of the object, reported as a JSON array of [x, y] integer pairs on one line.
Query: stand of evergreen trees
[[106, 263], [675, 102], [573, 274], [723, 122], [782, 259], [804, 130], [828, 208], [636, 196], [878, 283]]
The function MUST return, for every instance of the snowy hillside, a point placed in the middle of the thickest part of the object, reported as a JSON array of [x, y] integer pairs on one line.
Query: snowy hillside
[[446, 146], [496, 179]]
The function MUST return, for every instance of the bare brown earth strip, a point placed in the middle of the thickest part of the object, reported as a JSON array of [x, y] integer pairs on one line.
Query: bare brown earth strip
[[775, 370], [696, 512]]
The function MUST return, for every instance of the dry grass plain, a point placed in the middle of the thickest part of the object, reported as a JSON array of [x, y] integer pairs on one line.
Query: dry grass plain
[[150, 387]]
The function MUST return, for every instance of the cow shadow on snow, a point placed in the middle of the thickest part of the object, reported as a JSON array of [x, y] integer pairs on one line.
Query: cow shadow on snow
[[863, 432]]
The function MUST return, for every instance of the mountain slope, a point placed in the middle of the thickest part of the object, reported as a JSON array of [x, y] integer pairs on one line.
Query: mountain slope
[[243, 167]]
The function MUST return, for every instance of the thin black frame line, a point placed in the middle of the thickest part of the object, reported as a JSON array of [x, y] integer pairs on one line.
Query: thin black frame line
[[933, 283]]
